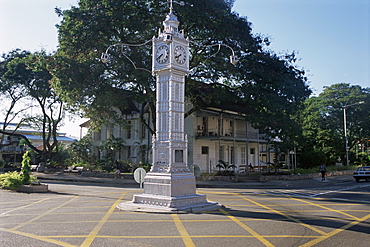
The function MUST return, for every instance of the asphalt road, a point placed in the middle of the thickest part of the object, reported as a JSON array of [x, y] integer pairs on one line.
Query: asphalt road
[[82, 214]]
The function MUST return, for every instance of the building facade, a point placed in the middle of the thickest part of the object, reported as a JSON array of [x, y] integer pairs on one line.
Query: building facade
[[213, 134]]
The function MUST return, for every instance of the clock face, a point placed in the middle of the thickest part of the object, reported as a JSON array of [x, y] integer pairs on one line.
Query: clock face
[[180, 54], [161, 54]]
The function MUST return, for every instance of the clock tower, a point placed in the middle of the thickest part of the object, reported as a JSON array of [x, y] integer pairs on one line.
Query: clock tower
[[170, 186]]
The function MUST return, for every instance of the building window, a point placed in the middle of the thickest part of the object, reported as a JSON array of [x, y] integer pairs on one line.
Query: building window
[[205, 150], [242, 156], [129, 130], [253, 151]]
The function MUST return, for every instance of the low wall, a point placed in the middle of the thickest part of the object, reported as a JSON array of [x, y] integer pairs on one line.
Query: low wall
[[303, 176], [105, 175]]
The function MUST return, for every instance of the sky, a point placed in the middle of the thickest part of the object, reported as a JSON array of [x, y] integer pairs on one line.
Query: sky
[[331, 37]]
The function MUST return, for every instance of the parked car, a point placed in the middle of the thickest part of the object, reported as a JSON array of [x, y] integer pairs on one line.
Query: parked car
[[362, 172]]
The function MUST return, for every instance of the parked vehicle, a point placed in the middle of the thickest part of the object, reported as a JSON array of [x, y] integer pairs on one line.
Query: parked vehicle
[[362, 172]]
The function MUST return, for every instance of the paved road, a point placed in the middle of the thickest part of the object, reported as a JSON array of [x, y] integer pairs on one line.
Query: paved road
[[344, 191], [83, 214]]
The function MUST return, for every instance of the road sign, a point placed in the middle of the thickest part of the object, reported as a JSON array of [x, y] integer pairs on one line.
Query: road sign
[[139, 176]]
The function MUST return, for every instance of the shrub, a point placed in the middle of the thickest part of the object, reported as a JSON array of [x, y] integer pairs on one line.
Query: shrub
[[11, 180], [26, 168]]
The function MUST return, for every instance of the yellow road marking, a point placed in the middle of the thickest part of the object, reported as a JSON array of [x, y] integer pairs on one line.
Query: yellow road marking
[[285, 215], [330, 209], [245, 227], [90, 238], [45, 239], [182, 230], [43, 214], [175, 237], [25, 206], [336, 231]]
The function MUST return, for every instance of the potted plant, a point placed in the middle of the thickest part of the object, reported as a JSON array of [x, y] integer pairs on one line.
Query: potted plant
[[23, 181]]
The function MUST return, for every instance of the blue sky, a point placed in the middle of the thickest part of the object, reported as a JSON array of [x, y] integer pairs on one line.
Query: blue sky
[[332, 37]]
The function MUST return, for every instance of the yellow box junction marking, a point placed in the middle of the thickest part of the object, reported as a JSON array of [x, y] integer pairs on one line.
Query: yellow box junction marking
[[25, 206], [245, 227], [183, 232], [94, 233], [285, 215], [43, 214]]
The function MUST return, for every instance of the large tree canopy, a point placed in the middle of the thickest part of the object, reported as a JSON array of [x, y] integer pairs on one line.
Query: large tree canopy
[[266, 86], [24, 75], [323, 120]]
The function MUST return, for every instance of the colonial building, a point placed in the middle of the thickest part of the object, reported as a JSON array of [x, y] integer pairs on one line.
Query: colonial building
[[213, 134]]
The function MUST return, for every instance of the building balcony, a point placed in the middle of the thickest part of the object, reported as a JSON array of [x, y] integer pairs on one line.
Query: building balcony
[[214, 134]]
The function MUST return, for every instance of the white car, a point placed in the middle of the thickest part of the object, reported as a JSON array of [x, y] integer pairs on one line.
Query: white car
[[362, 172]]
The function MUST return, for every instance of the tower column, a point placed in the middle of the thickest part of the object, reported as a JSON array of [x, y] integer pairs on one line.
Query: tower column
[[170, 186]]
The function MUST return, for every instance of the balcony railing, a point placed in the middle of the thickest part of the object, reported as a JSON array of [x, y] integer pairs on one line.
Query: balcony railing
[[227, 133]]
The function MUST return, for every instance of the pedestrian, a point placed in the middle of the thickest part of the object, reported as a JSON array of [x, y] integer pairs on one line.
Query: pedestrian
[[118, 170], [323, 172], [118, 165], [118, 173]]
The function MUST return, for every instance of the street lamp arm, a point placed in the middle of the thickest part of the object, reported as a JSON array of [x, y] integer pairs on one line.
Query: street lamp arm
[[358, 103], [233, 58], [105, 57]]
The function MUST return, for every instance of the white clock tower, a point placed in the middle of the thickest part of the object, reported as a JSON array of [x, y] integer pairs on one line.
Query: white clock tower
[[170, 186]]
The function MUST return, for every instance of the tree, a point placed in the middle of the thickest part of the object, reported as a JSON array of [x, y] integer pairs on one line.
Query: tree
[[25, 75], [81, 150], [11, 96], [266, 86], [323, 123]]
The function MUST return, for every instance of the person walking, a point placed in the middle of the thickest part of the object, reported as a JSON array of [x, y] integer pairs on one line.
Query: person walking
[[323, 172]]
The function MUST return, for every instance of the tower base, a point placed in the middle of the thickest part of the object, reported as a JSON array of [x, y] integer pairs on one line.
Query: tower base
[[169, 193]]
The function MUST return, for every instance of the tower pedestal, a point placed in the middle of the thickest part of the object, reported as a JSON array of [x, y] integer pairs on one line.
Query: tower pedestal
[[169, 193]]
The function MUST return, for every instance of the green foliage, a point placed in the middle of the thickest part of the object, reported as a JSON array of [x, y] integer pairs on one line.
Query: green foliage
[[267, 87], [26, 168], [311, 158], [11, 180], [25, 75], [61, 155], [323, 125], [363, 159], [81, 150], [112, 145]]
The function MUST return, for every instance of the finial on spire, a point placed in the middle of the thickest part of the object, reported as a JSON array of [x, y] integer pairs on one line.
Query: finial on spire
[[182, 3]]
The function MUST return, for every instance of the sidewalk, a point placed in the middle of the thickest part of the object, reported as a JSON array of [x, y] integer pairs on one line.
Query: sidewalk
[[44, 177]]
